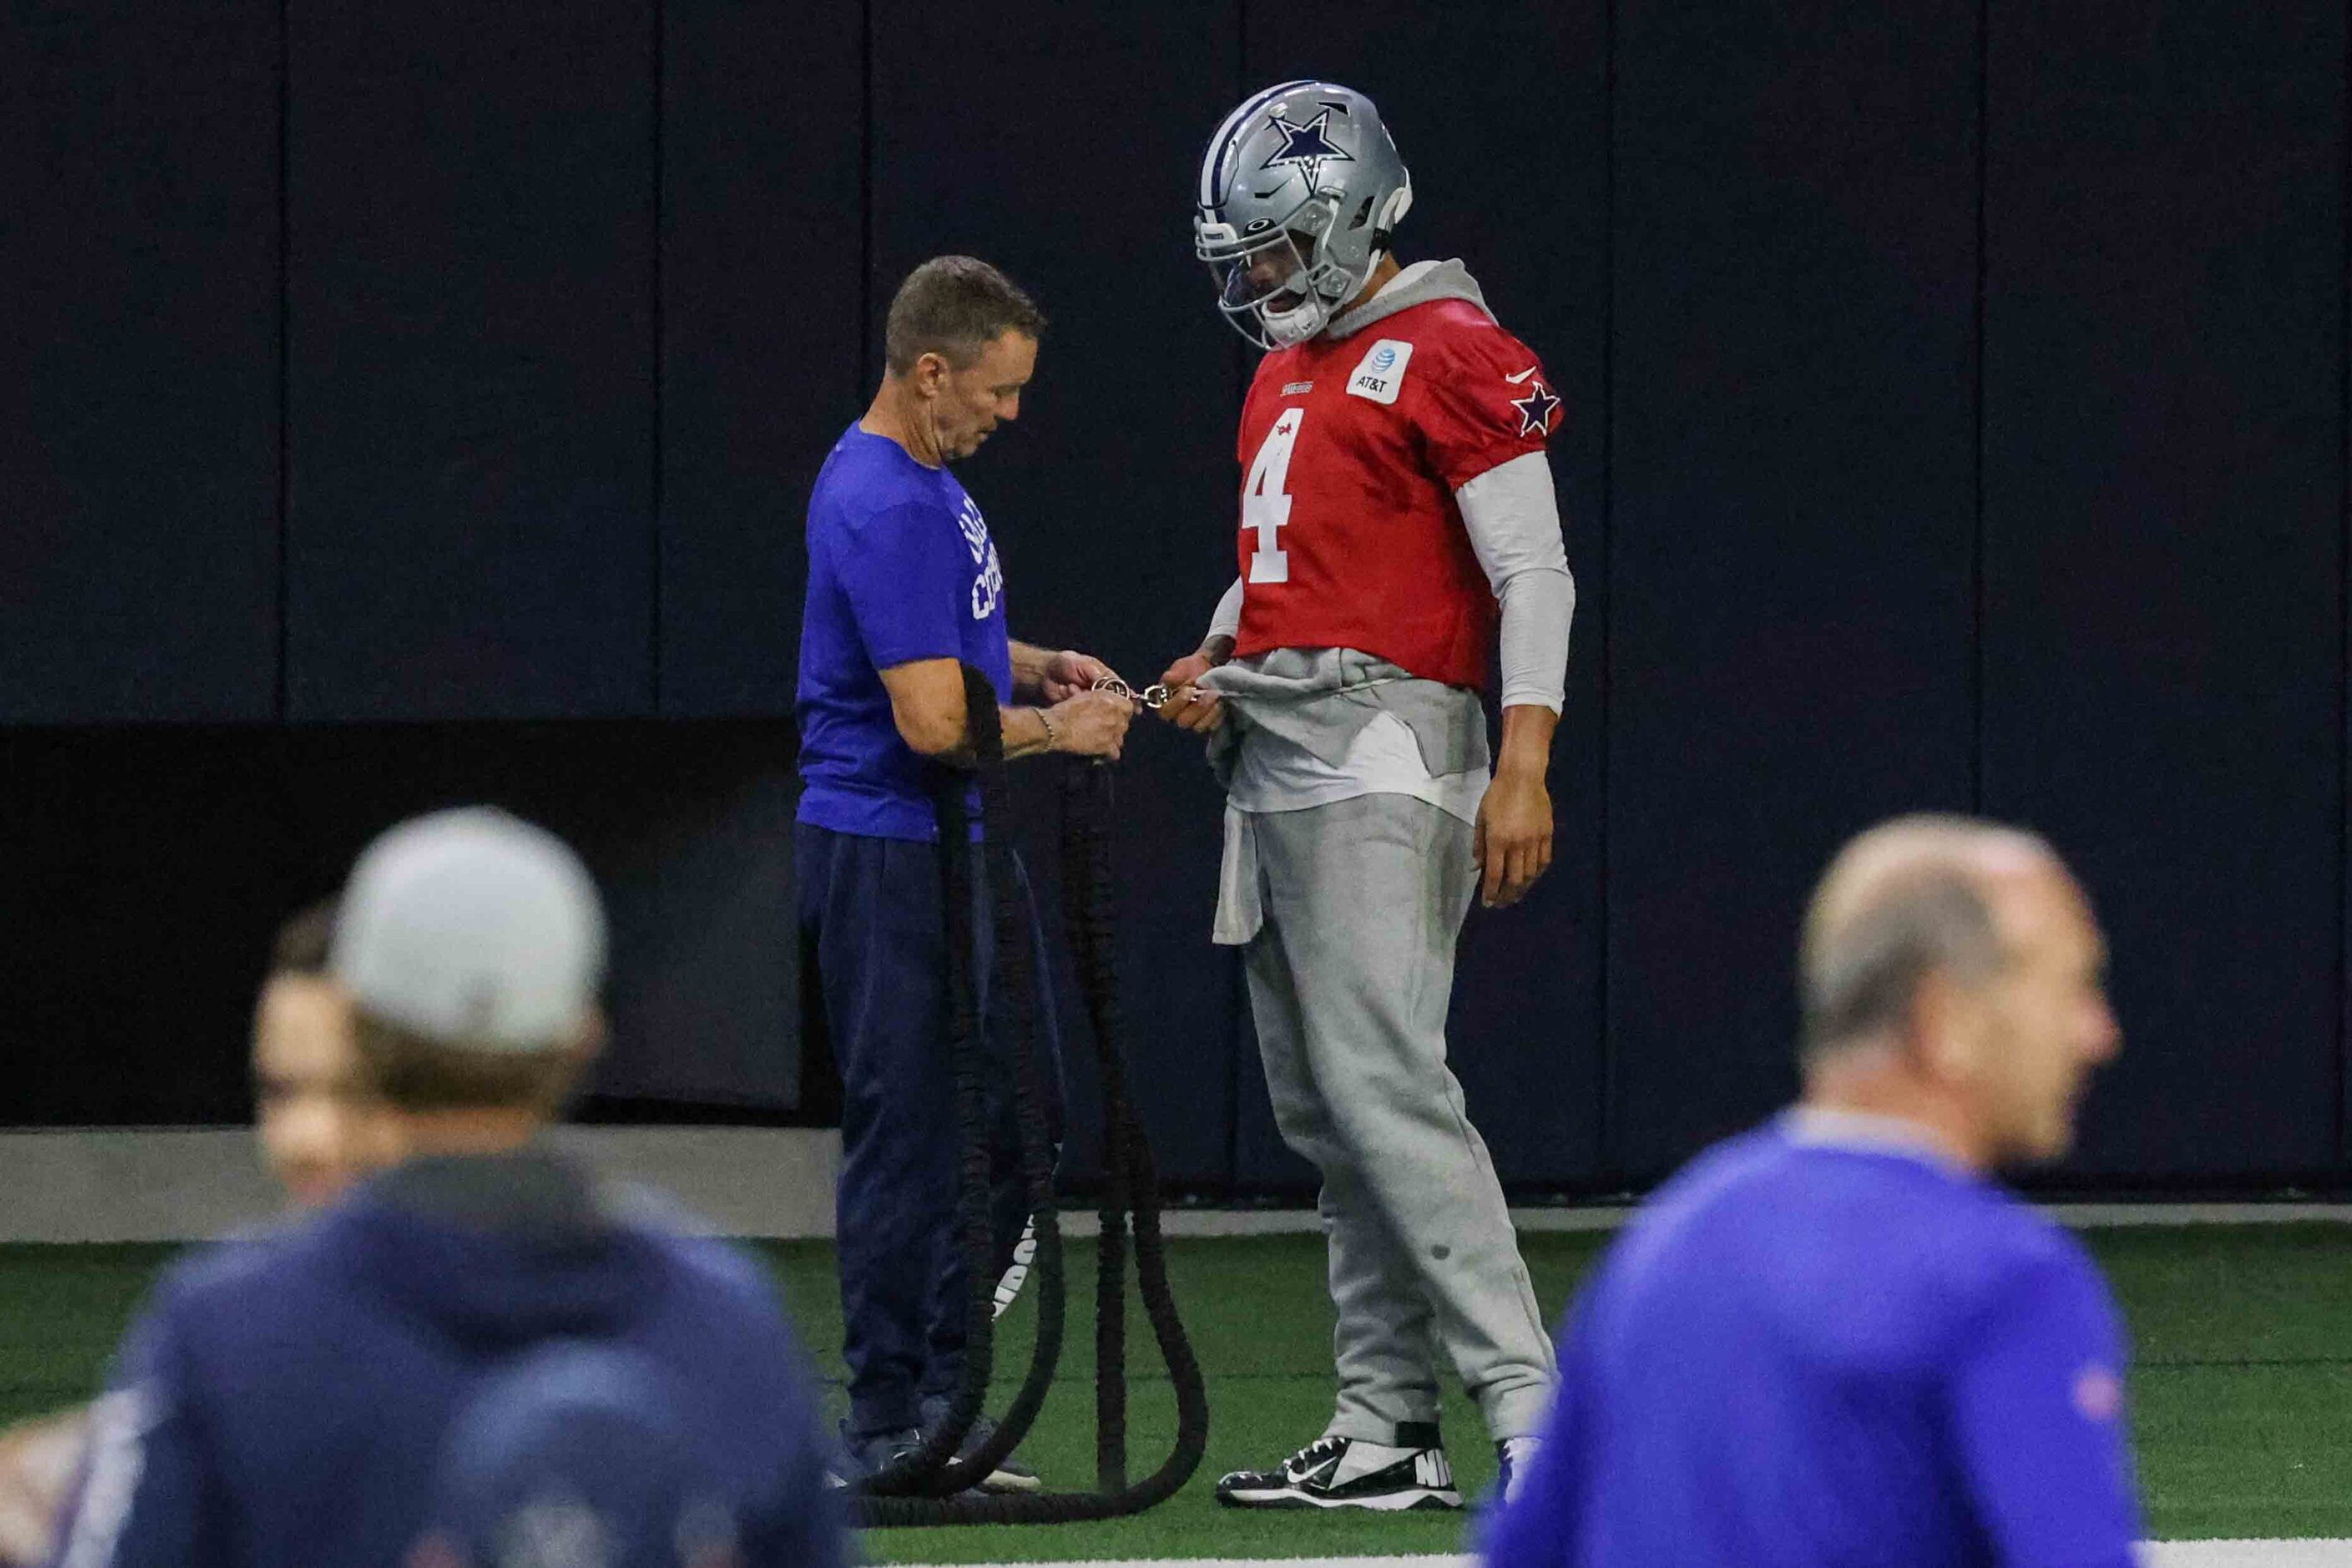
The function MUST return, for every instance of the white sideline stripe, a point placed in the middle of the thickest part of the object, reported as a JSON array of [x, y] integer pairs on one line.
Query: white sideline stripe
[[2328, 1553], [1424, 1560], [190, 1184], [2080, 1216], [2307, 1553]]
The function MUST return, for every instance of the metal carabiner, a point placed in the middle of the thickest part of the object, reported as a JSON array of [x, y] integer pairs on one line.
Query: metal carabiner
[[1152, 696]]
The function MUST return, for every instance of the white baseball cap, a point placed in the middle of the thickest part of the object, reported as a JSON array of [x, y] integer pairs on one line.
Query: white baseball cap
[[472, 928]]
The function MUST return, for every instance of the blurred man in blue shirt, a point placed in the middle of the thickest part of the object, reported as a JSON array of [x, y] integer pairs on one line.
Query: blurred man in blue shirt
[[288, 1402], [904, 589], [1837, 1338]]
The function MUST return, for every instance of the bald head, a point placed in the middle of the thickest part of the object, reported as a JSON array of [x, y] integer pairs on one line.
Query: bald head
[[1952, 970], [1907, 899]]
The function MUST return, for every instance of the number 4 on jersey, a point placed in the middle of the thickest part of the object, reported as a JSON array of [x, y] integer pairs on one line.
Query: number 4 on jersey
[[1266, 506]]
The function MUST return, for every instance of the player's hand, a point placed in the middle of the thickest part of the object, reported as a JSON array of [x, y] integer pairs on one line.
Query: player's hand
[[1189, 707], [1092, 724], [1512, 841], [1070, 672]]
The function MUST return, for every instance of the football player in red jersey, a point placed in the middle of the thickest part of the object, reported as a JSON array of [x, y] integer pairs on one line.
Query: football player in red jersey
[[1397, 512]]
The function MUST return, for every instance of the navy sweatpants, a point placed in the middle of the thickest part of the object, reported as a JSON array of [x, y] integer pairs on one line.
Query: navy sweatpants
[[872, 932]]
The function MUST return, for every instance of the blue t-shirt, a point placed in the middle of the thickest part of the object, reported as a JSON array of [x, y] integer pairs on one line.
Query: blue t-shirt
[[1804, 1351], [900, 568]]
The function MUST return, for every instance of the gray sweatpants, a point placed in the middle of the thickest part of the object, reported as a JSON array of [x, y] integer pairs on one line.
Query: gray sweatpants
[[1349, 975]]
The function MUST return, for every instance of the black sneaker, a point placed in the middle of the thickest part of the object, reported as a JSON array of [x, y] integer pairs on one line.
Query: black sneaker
[[862, 1459], [1347, 1472], [1009, 1476]]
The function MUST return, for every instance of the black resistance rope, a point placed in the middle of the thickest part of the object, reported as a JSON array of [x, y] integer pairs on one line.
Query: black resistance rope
[[932, 1485]]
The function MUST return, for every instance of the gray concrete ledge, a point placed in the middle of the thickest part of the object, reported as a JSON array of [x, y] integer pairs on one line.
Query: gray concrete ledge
[[194, 1183]]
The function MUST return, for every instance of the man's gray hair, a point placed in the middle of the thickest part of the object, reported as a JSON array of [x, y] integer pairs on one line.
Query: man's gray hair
[[955, 306], [1901, 902]]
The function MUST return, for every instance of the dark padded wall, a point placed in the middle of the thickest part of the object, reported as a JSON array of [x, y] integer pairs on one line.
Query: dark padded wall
[[2163, 570], [139, 320], [471, 387], [1955, 417], [762, 235], [167, 856], [1793, 523], [1110, 499], [1518, 192], [157, 861]]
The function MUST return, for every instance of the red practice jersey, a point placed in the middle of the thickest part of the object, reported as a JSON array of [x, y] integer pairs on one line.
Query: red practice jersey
[[1350, 451]]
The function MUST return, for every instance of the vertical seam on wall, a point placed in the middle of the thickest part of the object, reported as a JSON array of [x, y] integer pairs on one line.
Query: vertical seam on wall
[[661, 359], [1603, 1143], [1238, 351], [2344, 598], [281, 698], [1237, 1003], [1978, 641], [1241, 50], [865, 376]]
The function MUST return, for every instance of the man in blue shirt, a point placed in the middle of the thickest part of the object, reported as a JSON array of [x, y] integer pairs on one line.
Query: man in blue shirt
[[288, 1402], [1836, 1339], [904, 588]]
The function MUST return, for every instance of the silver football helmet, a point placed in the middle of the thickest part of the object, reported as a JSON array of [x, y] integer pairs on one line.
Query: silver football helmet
[[1299, 192]]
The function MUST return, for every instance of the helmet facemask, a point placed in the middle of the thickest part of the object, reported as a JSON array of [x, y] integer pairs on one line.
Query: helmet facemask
[[1278, 286]]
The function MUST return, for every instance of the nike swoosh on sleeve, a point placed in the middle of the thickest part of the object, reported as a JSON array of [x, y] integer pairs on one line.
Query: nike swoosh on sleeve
[[1515, 379]]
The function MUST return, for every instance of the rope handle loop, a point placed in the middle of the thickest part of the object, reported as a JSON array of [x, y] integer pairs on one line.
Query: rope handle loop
[[931, 1486]]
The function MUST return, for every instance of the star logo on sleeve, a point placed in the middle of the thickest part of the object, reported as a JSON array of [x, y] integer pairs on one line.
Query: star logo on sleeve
[[1307, 147], [1536, 409]]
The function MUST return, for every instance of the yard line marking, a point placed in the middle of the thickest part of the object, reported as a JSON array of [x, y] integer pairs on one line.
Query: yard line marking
[[2332, 1553]]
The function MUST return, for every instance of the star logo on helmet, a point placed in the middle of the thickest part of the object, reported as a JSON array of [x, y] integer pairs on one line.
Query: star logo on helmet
[[1307, 147], [1535, 409]]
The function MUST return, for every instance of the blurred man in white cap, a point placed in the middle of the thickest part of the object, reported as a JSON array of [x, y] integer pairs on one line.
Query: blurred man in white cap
[[288, 1401], [320, 1127]]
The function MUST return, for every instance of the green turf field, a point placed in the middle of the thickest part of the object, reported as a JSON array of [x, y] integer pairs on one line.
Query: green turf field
[[2242, 1381]]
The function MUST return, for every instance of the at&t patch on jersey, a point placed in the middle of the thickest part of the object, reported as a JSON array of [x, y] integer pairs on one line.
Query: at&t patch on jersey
[[1382, 370]]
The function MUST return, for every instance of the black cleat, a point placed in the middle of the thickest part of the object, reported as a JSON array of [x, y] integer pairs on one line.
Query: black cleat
[[862, 1459], [1011, 1475], [1347, 1472]]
